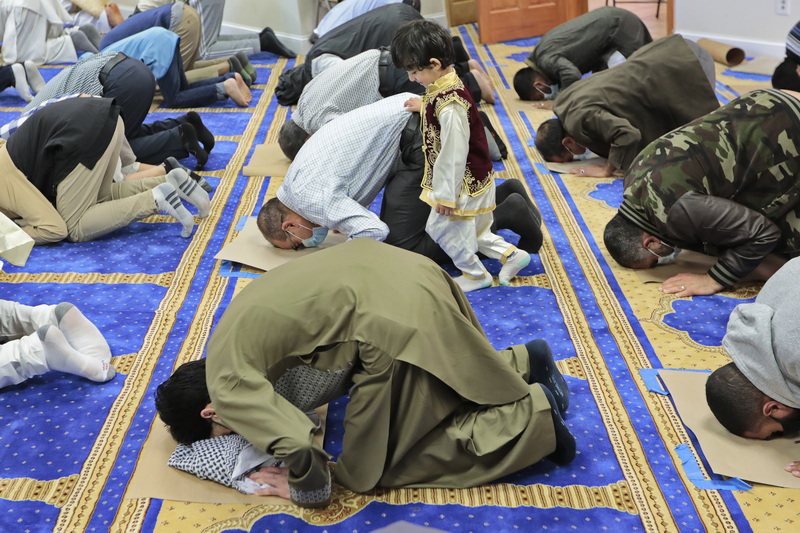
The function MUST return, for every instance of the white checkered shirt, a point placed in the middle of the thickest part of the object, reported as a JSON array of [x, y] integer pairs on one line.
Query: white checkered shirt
[[342, 168], [351, 84]]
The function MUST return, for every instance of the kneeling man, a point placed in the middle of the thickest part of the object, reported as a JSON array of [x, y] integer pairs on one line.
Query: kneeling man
[[390, 328]]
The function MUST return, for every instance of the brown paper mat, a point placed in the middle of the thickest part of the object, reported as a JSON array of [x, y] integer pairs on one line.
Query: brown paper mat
[[759, 65], [252, 249], [267, 160], [761, 461], [154, 479], [686, 262], [722, 53]]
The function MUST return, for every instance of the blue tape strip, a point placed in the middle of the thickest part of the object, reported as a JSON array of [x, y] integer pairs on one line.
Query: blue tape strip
[[228, 270], [531, 142], [541, 168], [240, 223], [692, 469], [651, 381]]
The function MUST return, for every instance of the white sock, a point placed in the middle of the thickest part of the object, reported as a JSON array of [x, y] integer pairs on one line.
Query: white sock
[[515, 262], [189, 190], [468, 285], [21, 82], [169, 203], [35, 79], [81, 333], [62, 357]]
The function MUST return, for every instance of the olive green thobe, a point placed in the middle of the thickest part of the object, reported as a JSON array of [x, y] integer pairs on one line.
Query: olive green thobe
[[432, 403]]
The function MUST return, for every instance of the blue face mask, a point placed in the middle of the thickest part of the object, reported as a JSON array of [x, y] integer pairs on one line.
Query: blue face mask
[[318, 235], [666, 259], [552, 94]]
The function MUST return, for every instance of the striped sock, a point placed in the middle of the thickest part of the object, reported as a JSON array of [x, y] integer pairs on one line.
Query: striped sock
[[189, 190], [169, 203]]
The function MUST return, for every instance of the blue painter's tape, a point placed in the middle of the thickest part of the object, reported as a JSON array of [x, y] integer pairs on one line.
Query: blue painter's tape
[[531, 141], [240, 224], [541, 168], [227, 270], [651, 381], [692, 469]]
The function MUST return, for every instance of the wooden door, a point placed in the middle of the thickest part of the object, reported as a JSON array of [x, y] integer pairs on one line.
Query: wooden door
[[504, 20], [461, 12]]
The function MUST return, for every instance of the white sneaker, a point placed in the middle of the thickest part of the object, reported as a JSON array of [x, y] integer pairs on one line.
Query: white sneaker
[[515, 262]]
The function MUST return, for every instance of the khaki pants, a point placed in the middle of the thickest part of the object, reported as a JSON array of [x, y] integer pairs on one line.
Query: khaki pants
[[93, 205]]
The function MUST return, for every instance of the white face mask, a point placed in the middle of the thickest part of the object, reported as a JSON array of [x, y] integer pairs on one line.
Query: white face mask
[[666, 259], [587, 154], [552, 94]]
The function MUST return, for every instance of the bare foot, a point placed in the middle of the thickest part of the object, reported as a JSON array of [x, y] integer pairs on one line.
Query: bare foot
[[234, 93], [487, 89], [243, 87], [114, 15]]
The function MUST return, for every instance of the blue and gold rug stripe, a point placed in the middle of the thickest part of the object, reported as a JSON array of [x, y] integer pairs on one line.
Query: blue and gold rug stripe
[[77, 512], [649, 499]]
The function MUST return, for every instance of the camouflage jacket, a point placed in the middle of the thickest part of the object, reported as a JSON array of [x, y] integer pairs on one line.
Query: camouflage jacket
[[727, 184]]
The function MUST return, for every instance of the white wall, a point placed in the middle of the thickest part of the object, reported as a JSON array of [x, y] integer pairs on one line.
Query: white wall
[[292, 20], [752, 25]]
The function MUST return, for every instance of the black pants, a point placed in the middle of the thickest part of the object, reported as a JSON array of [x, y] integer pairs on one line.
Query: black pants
[[131, 84], [402, 210]]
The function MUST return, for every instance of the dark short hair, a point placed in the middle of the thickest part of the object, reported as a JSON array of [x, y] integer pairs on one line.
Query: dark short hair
[[734, 400], [523, 83], [416, 42], [270, 218], [291, 138], [623, 241], [181, 398], [548, 139]]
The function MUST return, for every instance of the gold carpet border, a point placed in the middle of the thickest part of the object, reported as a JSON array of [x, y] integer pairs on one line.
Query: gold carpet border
[[346, 504], [77, 513], [52, 492], [164, 279], [127, 517], [651, 502], [647, 495]]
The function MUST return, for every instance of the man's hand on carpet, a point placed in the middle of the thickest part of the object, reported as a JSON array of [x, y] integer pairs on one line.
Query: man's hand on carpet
[[272, 475], [593, 171], [544, 104], [690, 285]]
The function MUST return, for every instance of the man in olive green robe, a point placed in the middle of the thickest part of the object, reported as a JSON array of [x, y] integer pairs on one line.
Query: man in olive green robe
[[432, 403]]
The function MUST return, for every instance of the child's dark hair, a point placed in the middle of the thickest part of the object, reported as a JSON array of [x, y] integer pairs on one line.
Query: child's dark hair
[[418, 41]]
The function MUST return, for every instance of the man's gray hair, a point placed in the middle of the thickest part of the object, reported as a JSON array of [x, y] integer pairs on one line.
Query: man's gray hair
[[623, 241], [270, 219]]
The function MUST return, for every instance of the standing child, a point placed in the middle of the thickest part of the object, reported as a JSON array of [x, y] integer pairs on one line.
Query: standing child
[[458, 182]]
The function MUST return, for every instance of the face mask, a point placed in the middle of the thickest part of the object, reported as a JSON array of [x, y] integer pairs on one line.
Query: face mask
[[667, 259], [318, 235], [551, 95], [587, 154]]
